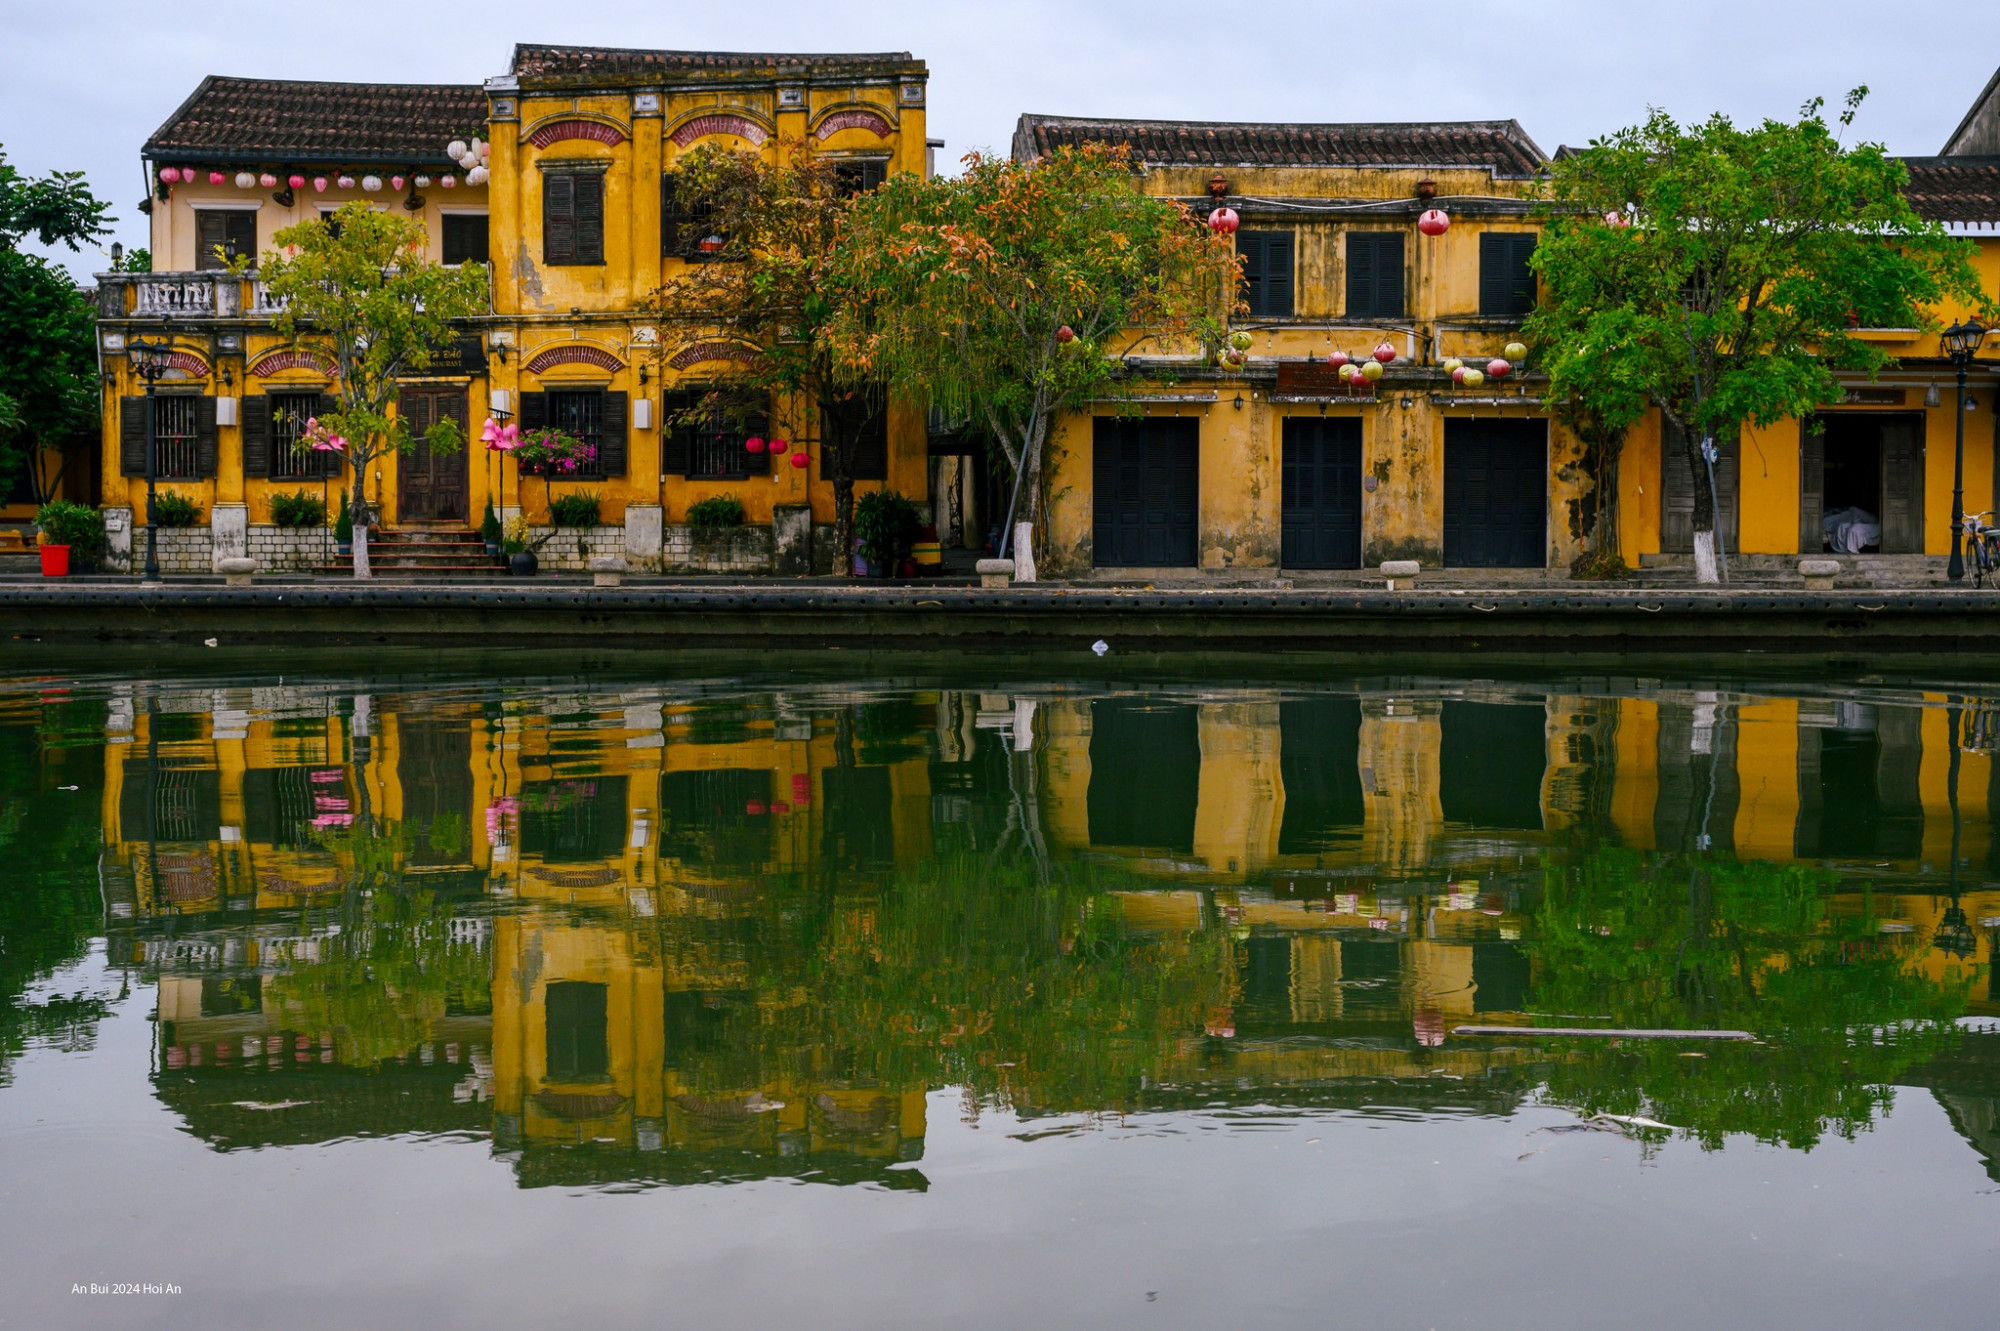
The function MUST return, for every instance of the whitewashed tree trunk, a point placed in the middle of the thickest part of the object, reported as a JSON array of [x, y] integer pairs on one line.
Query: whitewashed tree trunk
[[1024, 552], [361, 551], [1706, 568]]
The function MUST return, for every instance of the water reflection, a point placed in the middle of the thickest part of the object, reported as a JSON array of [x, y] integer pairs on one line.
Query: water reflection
[[668, 934]]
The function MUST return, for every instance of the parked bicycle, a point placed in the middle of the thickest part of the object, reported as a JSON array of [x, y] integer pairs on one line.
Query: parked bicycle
[[1982, 549]]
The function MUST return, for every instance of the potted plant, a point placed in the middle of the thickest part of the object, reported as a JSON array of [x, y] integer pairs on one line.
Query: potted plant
[[489, 531], [72, 537], [885, 527], [175, 510], [519, 545], [581, 509], [343, 527]]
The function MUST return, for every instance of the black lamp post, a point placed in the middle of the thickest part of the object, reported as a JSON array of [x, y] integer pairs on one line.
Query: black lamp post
[[151, 361], [1961, 342]]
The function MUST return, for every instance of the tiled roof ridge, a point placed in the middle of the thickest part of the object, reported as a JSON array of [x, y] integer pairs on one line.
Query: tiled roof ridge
[[526, 64], [1954, 188], [232, 117], [1503, 145]]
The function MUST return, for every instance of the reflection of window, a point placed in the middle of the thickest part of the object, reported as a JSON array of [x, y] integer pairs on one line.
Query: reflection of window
[[858, 830], [228, 995], [1491, 764], [168, 803], [1319, 758], [574, 821], [715, 817], [281, 806], [1145, 773], [465, 238], [232, 233], [579, 1044]]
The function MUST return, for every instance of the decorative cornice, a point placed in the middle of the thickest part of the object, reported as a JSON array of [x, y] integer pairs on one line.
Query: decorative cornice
[[574, 127], [699, 352], [719, 122], [875, 121], [544, 361], [293, 358]]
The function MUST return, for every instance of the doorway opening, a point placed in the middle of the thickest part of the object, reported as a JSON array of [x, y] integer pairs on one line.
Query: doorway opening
[[1853, 487]]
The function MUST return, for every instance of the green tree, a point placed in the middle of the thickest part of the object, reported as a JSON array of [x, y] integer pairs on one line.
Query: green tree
[[48, 380], [779, 225], [1715, 273], [1007, 296], [358, 291]]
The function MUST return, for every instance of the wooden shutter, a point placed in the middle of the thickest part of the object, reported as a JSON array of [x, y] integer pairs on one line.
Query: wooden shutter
[[210, 235], [132, 435], [611, 436], [1506, 283], [589, 218], [204, 435], [559, 218], [1812, 486], [1267, 271], [670, 216], [256, 435], [676, 434], [1902, 485], [534, 411], [1677, 492], [757, 425], [1375, 274], [242, 229], [868, 450]]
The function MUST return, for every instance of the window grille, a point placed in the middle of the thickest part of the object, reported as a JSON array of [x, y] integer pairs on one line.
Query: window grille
[[289, 414], [177, 446]]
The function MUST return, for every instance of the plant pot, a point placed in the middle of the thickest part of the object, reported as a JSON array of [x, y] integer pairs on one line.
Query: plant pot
[[492, 549], [524, 564], [344, 548], [55, 561]]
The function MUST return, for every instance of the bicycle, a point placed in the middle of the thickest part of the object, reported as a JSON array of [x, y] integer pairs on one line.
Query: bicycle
[[1982, 549]]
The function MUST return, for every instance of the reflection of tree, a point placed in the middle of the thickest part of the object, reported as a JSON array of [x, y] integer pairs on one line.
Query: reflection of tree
[[1697, 942]]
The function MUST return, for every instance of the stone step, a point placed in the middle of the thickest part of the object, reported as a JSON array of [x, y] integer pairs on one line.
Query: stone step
[[452, 572]]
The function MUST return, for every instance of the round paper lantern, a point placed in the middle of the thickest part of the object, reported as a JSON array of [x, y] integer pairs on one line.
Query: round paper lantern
[[1338, 359], [319, 184], [169, 174], [468, 160], [1371, 370], [1458, 373], [754, 808], [1386, 353], [1472, 379], [216, 178], [345, 182], [422, 182], [296, 182], [753, 445], [372, 184], [268, 181], [447, 182], [1498, 368], [1615, 220], [245, 180], [1451, 364], [188, 175], [1241, 339], [1065, 334], [1224, 221], [1434, 222], [396, 183], [455, 149], [777, 446], [779, 806], [801, 461], [479, 175], [1347, 373], [1516, 352]]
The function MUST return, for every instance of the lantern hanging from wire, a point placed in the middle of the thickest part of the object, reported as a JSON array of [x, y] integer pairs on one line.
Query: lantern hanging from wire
[[1224, 221]]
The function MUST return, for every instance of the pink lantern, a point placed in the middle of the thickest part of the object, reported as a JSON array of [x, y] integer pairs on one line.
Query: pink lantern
[[345, 182], [268, 181], [319, 184], [753, 445], [216, 178], [296, 182], [396, 182], [753, 807], [1434, 222], [1224, 221], [1385, 353], [188, 175], [447, 182], [801, 461], [777, 446], [779, 806], [1338, 360], [1615, 220], [1458, 375], [1498, 368], [169, 174], [1065, 334]]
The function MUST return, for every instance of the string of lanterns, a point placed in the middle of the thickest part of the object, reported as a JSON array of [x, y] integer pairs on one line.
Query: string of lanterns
[[368, 183], [777, 448]]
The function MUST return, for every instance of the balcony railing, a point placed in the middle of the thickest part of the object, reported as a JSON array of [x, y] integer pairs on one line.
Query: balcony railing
[[185, 296]]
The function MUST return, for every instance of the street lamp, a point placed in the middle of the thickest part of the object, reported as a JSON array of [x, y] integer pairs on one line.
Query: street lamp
[[151, 361], [1961, 341]]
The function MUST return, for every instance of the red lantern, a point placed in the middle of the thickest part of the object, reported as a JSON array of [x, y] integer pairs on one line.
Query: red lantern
[[216, 177], [169, 174], [777, 446], [1224, 221], [1385, 353], [1338, 359], [801, 461], [1498, 368], [779, 806], [711, 244], [1065, 334], [296, 182], [1615, 220], [1458, 375], [753, 807], [1434, 222], [753, 445]]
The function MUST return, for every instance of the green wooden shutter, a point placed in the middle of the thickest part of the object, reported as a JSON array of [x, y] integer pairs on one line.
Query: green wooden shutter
[[676, 433], [589, 218], [1812, 485], [1278, 284], [132, 435], [670, 216], [1360, 274], [1493, 275], [1506, 283], [756, 425], [611, 435], [241, 230], [558, 218], [256, 435], [1388, 274], [204, 436]]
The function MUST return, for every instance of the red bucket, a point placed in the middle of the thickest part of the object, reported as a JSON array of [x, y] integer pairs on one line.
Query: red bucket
[[55, 561]]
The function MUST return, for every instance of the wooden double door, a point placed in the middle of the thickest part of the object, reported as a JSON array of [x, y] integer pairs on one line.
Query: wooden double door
[[1496, 493], [432, 487], [1320, 503], [1146, 497]]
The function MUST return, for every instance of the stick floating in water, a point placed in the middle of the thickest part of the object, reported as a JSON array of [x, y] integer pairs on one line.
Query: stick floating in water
[[1601, 1033]]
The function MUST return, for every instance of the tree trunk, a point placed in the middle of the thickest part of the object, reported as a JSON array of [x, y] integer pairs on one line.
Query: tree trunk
[[361, 551], [843, 522], [1707, 564], [1028, 511]]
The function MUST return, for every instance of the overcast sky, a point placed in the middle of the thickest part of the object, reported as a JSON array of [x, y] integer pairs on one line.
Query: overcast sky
[[83, 84]]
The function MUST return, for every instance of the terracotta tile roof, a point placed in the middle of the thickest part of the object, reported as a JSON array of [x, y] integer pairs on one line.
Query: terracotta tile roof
[[1955, 189], [249, 121], [584, 62], [1499, 145]]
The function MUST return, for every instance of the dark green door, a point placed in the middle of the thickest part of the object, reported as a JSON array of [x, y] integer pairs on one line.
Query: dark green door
[[1145, 491], [1496, 494], [1321, 504]]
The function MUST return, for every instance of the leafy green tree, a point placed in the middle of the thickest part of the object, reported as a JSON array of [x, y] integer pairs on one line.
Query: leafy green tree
[[1006, 296], [361, 293], [1716, 273], [48, 380]]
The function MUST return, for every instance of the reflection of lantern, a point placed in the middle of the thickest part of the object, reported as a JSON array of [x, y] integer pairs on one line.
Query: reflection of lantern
[[1386, 353], [754, 808], [1615, 220], [753, 445], [801, 461], [1516, 352], [1224, 221], [1434, 222], [777, 446]]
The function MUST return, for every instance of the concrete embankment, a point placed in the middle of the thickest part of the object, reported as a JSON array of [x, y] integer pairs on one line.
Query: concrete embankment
[[1857, 627]]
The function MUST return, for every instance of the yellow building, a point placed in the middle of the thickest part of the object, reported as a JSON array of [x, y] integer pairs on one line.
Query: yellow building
[[575, 213]]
